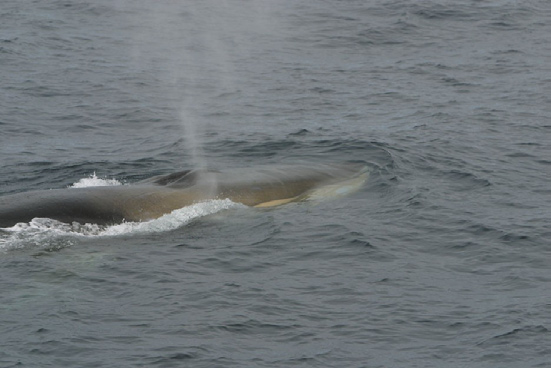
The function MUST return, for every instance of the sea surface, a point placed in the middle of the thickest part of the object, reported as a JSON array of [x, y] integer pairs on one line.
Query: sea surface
[[442, 259]]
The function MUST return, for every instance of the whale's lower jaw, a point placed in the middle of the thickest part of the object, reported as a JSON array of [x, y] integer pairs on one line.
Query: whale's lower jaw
[[336, 190], [276, 202]]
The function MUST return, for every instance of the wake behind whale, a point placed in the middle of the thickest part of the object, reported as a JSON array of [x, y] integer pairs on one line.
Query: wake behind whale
[[152, 198]]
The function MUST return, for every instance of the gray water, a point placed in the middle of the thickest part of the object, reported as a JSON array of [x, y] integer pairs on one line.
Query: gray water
[[441, 260]]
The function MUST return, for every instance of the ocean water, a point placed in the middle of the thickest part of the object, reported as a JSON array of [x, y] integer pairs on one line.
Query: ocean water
[[442, 259]]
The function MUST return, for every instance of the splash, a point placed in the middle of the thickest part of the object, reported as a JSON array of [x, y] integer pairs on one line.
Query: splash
[[53, 235], [94, 181]]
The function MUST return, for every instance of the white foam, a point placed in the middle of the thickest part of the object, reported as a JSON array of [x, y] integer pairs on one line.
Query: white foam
[[173, 220], [50, 233], [94, 181]]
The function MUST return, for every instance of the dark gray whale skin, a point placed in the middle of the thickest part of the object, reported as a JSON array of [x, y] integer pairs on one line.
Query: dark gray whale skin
[[149, 199]]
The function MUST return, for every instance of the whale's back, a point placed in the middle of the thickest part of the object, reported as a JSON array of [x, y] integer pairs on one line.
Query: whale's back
[[151, 198]]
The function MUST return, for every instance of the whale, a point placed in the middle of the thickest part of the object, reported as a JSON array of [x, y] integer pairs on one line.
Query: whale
[[261, 186]]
